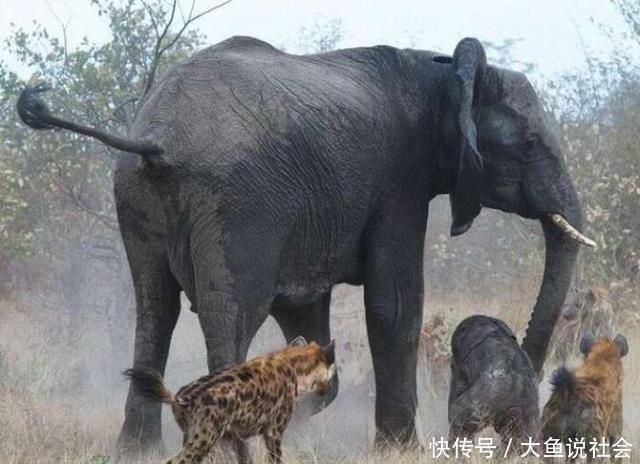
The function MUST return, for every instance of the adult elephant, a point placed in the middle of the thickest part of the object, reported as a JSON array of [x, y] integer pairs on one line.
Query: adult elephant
[[263, 179]]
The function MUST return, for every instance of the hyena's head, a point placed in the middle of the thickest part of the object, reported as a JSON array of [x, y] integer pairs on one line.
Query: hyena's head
[[315, 365], [590, 309], [603, 349]]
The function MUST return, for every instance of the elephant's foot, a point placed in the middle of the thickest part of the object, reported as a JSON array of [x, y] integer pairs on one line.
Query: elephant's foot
[[133, 445], [397, 434]]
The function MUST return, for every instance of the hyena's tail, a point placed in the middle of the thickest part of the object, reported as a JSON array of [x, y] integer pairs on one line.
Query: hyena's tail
[[149, 384], [564, 384]]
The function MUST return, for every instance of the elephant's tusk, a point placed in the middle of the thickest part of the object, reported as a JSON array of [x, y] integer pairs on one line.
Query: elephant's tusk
[[562, 224]]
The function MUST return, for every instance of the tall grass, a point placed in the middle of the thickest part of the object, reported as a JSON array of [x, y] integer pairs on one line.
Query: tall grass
[[46, 417]]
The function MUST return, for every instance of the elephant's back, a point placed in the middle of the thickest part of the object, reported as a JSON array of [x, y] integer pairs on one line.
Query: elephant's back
[[192, 96], [228, 98]]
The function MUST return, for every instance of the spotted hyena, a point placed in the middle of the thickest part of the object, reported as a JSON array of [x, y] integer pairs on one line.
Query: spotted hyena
[[587, 403], [253, 398], [493, 382], [589, 310]]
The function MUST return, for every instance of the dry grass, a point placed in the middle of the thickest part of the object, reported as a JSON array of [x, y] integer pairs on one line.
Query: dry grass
[[41, 423]]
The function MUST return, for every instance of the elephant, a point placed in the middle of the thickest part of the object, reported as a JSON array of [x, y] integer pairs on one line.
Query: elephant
[[261, 179], [492, 383]]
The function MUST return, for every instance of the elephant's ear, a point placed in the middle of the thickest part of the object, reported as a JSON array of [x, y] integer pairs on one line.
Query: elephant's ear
[[469, 69]]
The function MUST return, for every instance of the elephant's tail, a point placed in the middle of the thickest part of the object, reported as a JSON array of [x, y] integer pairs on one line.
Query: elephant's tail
[[35, 114], [149, 384]]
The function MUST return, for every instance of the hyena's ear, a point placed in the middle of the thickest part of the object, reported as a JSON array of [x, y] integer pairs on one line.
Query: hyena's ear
[[586, 342], [298, 341], [590, 299], [330, 353], [621, 343], [570, 312]]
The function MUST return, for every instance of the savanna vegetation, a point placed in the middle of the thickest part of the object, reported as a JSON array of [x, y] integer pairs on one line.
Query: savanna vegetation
[[66, 304]]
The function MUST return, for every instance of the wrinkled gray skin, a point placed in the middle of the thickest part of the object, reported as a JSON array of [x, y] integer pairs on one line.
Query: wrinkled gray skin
[[266, 178], [493, 382]]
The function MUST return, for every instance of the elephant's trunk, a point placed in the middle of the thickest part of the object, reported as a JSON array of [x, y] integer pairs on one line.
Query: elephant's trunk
[[561, 253]]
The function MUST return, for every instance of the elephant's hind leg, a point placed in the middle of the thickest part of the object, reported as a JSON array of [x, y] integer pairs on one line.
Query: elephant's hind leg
[[231, 305], [157, 310]]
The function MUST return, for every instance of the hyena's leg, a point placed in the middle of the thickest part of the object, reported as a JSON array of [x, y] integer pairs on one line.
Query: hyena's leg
[[273, 442], [198, 442], [242, 451]]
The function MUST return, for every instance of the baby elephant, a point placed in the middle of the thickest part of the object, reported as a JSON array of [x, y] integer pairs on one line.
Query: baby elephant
[[492, 382], [587, 403]]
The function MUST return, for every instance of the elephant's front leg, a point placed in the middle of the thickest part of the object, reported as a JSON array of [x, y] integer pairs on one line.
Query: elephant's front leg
[[393, 300]]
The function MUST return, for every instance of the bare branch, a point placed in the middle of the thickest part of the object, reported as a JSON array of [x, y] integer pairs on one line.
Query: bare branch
[[160, 49], [64, 33], [65, 46], [156, 52], [181, 12], [153, 20], [121, 109], [594, 87], [191, 20], [106, 220], [79, 203], [167, 26]]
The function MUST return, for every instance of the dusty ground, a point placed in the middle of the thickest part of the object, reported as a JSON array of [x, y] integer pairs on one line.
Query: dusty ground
[[40, 423]]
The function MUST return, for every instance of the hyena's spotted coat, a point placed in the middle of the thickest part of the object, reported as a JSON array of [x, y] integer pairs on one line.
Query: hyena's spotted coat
[[253, 398], [587, 403]]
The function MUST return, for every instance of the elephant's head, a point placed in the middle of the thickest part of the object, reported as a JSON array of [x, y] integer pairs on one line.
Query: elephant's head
[[504, 156]]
